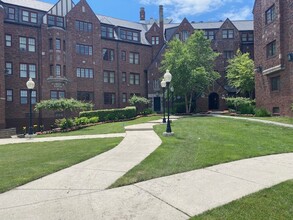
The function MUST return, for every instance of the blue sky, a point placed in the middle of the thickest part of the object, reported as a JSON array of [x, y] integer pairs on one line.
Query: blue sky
[[193, 10]]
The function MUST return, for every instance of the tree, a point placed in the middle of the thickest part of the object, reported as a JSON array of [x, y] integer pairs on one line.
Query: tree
[[191, 65], [240, 73], [63, 105]]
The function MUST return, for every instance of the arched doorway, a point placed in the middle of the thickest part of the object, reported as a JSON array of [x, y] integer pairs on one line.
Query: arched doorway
[[213, 101]]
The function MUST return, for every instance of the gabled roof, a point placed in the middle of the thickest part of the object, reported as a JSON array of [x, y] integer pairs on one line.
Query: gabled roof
[[34, 4]]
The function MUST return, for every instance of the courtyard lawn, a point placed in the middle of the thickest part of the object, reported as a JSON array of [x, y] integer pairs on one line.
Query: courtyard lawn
[[205, 141], [285, 120], [22, 163], [272, 203], [106, 128]]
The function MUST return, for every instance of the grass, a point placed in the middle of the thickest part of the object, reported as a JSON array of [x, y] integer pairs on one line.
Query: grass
[[22, 163], [272, 203], [285, 120], [204, 141], [106, 128]]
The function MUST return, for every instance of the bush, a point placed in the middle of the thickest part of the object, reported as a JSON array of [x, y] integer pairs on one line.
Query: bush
[[147, 111], [139, 102], [110, 114], [262, 112], [65, 123], [81, 121], [241, 105], [93, 120]]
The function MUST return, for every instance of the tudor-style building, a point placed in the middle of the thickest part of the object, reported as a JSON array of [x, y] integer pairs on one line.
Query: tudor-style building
[[274, 55], [71, 52]]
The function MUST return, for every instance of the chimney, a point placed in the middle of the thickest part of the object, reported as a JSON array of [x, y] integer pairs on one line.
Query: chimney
[[142, 14], [161, 14]]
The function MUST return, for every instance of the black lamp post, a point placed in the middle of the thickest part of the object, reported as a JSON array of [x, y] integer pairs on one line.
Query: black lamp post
[[163, 85], [30, 85], [172, 98], [168, 78]]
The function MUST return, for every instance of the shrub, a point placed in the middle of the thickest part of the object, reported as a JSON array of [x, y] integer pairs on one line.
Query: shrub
[[242, 105], [110, 114], [147, 111], [93, 120], [139, 102], [262, 112], [64, 123], [81, 121]]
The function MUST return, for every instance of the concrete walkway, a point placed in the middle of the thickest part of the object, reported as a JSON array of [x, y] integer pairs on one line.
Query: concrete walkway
[[79, 192]]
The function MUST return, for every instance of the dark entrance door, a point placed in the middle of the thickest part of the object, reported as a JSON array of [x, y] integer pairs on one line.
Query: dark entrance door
[[213, 101], [157, 104]]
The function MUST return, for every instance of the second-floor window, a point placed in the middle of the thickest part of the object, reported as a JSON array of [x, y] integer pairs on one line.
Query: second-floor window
[[228, 54], [55, 21], [247, 37], [84, 73], [108, 54], [129, 35], [9, 95], [107, 32], [134, 79], [185, 35], [11, 13], [271, 49], [28, 16], [228, 34], [124, 77], [27, 44], [58, 70], [84, 49], [27, 70], [24, 96], [58, 44], [134, 58], [275, 83], [209, 35], [8, 68], [123, 55], [8, 40], [109, 77], [270, 14]]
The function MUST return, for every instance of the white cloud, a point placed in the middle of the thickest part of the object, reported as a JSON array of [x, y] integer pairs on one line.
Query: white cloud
[[177, 9], [240, 14]]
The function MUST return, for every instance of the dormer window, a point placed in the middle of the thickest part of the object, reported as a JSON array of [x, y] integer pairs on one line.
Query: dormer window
[[28, 16], [11, 13], [55, 21], [107, 32], [129, 35], [228, 34], [185, 35]]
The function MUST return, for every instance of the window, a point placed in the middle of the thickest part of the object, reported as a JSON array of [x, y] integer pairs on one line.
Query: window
[[27, 44], [109, 98], [270, 15], [57, 94], [209, 35], [51, 44], [8, 40], [108, 54], [9, 95], [228, 54], [247, 37], [34, 97], [271, 49], [123, 55], [85, 96], [177, 36], [228, 34], [124, 77], [275, 83], [129, 35], [109, 77], [11, 13], [124, 97], [58, 70], [23, 96], [55, 21], [84, 49], [155, 40], [134, 78], [84, 73], [27, 70], [276, 110], [8, 68], [134, 58], [29, 16], [107, 32], [58, 44], [64, 45], [185, 35], [83, 26]]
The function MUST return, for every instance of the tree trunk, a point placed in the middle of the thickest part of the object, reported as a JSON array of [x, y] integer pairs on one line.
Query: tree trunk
[[190, 102], [186, 103]]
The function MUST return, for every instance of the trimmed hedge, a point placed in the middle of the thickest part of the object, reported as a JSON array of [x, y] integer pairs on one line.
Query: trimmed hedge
[[111, 114]]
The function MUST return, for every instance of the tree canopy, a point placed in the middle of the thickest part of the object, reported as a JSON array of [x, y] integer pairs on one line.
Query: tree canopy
[[240, 73], [191, 65]]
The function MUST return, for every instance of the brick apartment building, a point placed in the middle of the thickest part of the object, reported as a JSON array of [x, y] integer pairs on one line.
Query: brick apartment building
[[71, 52], [274, 55]]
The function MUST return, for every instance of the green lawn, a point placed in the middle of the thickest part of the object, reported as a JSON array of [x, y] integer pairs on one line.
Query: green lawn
[[106, 128], [273, 203], [285, 120], [22, 163], [204, 141]]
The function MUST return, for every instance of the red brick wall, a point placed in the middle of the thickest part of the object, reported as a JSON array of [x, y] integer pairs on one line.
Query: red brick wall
[[2, 67], [281, 31]]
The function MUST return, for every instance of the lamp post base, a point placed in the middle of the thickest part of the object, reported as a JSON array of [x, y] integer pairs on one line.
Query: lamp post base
[[168, 134], [164, 120]]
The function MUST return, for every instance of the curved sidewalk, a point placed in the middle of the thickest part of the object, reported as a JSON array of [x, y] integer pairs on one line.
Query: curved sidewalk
[[178, 196]]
